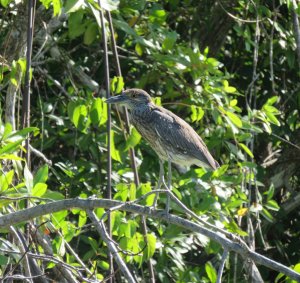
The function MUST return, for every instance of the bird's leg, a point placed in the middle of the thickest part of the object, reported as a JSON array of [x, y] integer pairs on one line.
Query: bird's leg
[[169, 184], [161, 180]]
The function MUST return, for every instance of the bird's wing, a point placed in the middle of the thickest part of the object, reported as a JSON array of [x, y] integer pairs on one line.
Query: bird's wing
[[178, 134]]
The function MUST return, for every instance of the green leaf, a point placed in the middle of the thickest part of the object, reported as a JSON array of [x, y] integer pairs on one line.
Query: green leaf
[[139, 49], [95, 10], [157, 15], [117, 84], [272, 118], [211, 272], [143, 189], [115, 154], [297, 267], [82, 218], [110, 5], [72, 6], [273, 205], [28, 178], [24, 132], [56, 7], [150, 247], [169, 41], [220, 171], [11, 157], [270, 192], [41, 175], [246, 149], [267, 215], [234, 119], [234, 228], [79, 117], [96, 111], [233, 102], [132, 192], [271, 109], [197, 113], [39, 190], [122, 192], [10, 147], [103, 264], [7, 131], [227, 88], [76, 24], [5, 3], [133, 139], [6, 180], [53, 195], [272, 100], [90, 34]]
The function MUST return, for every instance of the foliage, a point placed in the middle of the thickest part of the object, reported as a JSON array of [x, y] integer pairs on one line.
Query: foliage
[[246, 108]]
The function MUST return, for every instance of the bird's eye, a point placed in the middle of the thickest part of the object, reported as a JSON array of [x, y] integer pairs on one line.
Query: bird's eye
[[133, 95]]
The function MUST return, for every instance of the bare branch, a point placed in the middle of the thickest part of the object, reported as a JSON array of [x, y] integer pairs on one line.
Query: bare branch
[[85, 204], [221, 268], [24, 251], [111, 246]]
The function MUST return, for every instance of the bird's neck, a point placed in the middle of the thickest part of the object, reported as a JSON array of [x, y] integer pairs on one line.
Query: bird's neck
[[142, 110]]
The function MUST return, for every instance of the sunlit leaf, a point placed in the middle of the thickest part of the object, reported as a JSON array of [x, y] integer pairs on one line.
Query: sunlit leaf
[[242, 211], [11, 157], [6, 180], [41, 175], [272, 118], [115, 154], [82, 218], [11, 147], [211, 272], [117, 84], [133, 139], [234, 119], [246, 149], [273, 205], [39, 190], [72, 6], [150, 247], [28, 179]]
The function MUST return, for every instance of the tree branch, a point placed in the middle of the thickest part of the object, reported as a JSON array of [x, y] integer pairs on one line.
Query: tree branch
[[111, 246], [85, 204]]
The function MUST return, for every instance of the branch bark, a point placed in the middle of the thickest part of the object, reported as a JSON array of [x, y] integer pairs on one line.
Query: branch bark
[[86, 204], [111, 246]]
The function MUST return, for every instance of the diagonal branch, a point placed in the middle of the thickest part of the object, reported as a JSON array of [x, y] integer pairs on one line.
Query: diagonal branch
[[111, 246]]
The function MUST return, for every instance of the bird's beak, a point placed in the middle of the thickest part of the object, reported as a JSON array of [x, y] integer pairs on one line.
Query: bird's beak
[[120, 99]]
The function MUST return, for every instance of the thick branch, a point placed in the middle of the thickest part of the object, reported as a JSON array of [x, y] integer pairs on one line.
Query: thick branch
[[30, 213]]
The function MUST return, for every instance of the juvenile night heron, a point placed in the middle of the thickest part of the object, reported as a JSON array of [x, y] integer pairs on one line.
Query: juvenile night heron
[[171, 138]]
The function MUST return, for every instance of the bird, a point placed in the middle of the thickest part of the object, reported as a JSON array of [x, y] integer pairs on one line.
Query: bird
[[172, 138]]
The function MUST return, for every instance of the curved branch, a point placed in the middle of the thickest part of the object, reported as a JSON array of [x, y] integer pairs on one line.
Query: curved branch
[[86, 204]]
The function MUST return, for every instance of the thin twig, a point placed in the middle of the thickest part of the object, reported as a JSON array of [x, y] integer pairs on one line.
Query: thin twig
[[131, 150], [111, 246], [235, 17], [24, 252], [222, 264], [296, 28], [108, 131]]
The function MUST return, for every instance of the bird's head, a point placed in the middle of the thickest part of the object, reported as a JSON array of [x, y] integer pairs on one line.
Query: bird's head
[[131, 98]]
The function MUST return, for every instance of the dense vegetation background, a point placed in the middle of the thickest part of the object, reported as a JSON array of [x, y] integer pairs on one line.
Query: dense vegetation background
[[229, 68]]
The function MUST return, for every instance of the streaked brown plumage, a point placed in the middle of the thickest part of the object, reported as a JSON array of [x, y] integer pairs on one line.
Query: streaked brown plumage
[[170, 137]]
